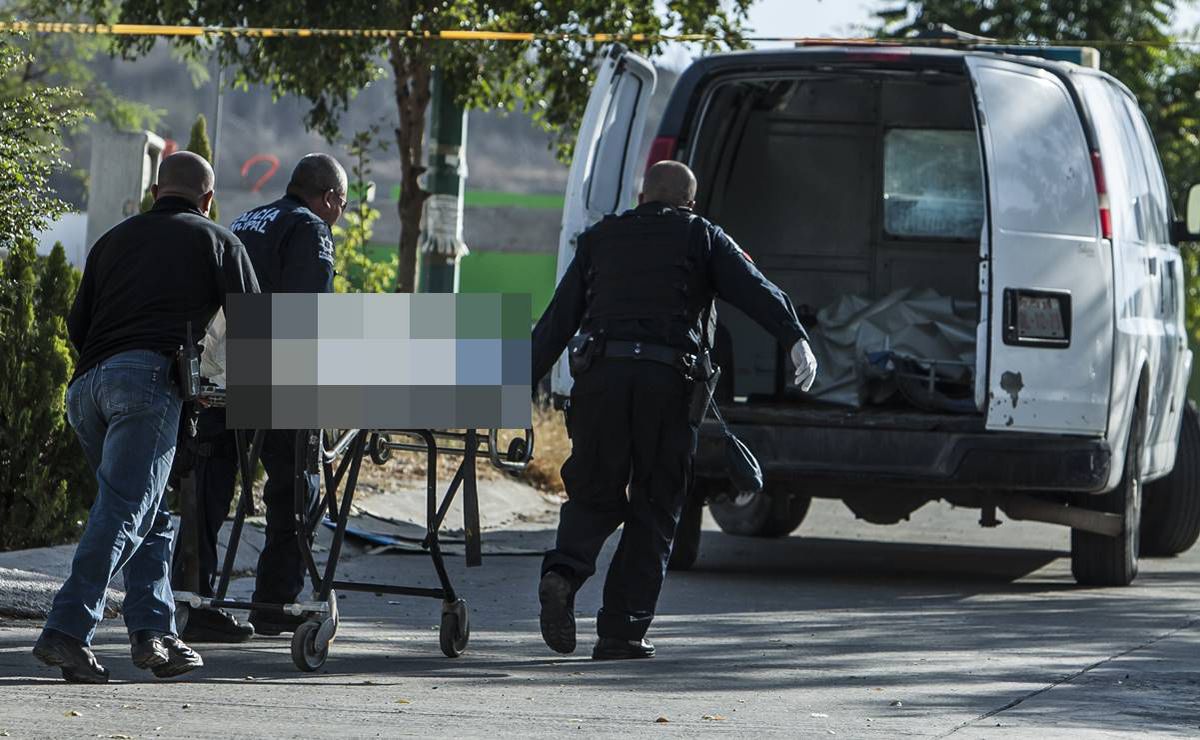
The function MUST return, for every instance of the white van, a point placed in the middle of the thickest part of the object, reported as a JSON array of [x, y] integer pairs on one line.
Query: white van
[[983, 248]]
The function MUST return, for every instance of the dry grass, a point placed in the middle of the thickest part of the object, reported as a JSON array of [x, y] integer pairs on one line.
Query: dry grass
[[551, 447]]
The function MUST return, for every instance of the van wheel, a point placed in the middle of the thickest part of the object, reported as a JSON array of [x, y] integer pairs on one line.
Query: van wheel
[[686, 547], [766, 514], [1100, 560], [1171, 513]]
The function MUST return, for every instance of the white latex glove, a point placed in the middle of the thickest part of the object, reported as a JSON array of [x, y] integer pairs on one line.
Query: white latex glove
[[806, 365]]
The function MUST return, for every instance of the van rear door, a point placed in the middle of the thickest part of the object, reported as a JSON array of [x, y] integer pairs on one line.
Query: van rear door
[[604, 169], [1046, 265]]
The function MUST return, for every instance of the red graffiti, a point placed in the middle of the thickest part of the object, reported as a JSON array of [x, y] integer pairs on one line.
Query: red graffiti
[[272, 163]]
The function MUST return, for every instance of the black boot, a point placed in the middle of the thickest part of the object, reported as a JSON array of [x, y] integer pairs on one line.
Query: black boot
[[613, 648], [558, 612], [215, 625], [273, 623], [78, 663]]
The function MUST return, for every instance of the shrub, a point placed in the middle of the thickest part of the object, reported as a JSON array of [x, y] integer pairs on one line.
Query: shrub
[[46, 486]]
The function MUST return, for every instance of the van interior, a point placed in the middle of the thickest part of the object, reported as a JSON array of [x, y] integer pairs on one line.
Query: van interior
[[860, 193]]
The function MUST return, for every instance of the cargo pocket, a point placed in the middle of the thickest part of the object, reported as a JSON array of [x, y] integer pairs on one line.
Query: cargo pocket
[[584, 421]]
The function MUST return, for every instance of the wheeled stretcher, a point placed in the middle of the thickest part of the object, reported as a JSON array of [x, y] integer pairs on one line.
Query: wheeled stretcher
[[338, 457]]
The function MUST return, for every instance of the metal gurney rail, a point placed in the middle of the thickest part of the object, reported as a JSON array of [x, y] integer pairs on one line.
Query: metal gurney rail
[[340, 459]]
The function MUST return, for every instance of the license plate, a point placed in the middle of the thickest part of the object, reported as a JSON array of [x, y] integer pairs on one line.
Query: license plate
[[1040, 317]]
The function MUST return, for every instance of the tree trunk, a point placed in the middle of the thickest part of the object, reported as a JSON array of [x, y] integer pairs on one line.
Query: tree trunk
[[412, 74]]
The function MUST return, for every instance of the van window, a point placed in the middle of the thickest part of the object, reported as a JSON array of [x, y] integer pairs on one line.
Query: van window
[[1156, 205], [932, 184], [1039, 166], [604, 180]]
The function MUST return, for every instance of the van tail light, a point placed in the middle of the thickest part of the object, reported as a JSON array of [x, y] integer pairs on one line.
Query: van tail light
[[662, 148], [1106, 229]]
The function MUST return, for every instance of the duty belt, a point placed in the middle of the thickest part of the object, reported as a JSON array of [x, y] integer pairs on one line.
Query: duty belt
[[662, 354]]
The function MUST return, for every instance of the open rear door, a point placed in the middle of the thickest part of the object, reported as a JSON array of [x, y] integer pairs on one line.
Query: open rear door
[[605, 167], [1048, 267]]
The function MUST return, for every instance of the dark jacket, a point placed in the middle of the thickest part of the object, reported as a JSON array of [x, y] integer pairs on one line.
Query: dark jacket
[[149, 276], [291, 247], [717, 267]]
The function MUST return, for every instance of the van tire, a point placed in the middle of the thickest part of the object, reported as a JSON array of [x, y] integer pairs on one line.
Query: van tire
[[1171, 512], [686, 547], [1100, 560], [765, 514]]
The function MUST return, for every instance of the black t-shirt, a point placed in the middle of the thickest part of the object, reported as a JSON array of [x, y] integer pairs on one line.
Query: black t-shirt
[[149, 276]]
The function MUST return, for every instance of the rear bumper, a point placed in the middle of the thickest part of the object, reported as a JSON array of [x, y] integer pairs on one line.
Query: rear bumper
[[931, 458]]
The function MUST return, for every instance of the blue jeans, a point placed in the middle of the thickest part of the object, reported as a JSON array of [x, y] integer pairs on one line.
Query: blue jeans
[[125, 412]]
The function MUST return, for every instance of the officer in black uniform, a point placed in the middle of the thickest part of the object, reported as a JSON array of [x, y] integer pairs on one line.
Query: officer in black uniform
[[291, 245], [636, 291]]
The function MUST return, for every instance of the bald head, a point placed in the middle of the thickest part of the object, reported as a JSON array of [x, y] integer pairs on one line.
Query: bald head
[[669, 182], [320, 182], [317, 174], [185, 175]]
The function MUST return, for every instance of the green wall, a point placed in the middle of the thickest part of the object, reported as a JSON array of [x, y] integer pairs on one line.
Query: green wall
[[482, 271], [509, 272]]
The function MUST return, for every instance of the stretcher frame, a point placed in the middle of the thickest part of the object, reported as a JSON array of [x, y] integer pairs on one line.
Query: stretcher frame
[[312, 638]]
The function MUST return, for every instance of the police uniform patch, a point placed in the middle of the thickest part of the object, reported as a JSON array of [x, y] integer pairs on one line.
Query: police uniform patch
[[325, 245]]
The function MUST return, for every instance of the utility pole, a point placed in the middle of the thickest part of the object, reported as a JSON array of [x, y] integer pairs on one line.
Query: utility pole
[[441, 244]]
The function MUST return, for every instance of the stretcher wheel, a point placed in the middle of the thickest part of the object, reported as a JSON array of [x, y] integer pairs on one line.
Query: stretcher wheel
[[516, 450], [456, 628], [378, 450], [182, 612], [305, 653]]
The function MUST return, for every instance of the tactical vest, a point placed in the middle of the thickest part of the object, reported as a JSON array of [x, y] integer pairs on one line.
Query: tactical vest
[[642, 267]]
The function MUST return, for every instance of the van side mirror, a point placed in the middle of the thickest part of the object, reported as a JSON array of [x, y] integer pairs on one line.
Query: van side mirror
[[1188, 230]]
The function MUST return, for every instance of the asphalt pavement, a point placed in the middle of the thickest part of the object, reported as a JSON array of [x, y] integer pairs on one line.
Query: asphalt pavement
[[933, 628]]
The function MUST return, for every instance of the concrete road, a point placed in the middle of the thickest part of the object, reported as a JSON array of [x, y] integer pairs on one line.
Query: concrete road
[[931, 629]]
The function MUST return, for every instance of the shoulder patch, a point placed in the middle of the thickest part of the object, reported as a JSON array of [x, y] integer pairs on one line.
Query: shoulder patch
[[325, 244]]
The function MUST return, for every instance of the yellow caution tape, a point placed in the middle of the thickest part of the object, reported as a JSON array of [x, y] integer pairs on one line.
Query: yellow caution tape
[[139, 29]]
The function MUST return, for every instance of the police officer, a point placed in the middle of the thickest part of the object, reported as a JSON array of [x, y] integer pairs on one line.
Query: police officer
[[291, 246], [636, 292], [144, 280]]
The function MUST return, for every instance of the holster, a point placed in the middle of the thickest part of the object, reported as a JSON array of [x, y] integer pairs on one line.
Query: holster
[[705, 374], [582, 351]]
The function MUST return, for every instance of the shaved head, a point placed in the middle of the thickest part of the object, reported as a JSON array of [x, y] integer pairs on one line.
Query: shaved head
[[185, 175], [669, 182], [317, 174]]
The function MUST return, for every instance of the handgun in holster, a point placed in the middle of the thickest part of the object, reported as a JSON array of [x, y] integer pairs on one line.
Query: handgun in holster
[[582, 351]]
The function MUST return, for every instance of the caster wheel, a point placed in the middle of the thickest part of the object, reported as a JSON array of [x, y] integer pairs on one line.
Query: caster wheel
[[516, 451], [182, 612], [456, 629], [378, 450], [305, 653]]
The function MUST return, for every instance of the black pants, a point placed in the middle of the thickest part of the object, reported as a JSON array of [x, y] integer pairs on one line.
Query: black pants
[[280, 573], [631, 455]]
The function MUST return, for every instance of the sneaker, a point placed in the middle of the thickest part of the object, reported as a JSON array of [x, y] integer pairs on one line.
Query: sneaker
[[147, 649], [182, 658], [215, 625], [78, 663], [613, 648], [273, 623], [558, 612]]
